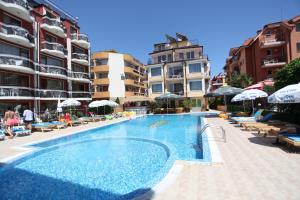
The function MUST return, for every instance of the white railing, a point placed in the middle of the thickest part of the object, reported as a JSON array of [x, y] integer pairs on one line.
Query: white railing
[[54, 46], [22, 3], [53, 22], [7, 59], [15, 91], [80, 36], [46, 93], [16, 30], [80, 56], [79, 75], [51, 69]]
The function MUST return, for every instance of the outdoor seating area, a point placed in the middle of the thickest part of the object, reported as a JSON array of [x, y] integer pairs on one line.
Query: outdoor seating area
[[65, 118]]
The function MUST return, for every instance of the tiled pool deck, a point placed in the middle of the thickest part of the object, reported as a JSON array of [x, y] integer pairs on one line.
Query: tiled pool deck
[[252, 167]]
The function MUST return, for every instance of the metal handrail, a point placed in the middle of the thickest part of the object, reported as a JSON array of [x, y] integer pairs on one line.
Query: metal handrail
[[216, 126]]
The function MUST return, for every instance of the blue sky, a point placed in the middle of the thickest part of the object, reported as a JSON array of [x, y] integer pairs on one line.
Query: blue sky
[[133, 26]]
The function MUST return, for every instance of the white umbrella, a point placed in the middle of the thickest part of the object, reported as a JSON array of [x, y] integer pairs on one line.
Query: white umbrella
[[70, 102], [249, 95], [288, 94], [96, 104]]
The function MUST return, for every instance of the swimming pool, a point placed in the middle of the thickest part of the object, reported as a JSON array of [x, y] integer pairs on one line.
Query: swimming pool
[[119, 161]]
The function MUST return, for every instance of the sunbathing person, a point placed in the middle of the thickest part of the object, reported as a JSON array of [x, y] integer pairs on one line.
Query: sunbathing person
[[10, 119]]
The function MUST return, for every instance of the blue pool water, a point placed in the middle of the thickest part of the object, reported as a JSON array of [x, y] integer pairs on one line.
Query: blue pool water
[[118, 161]]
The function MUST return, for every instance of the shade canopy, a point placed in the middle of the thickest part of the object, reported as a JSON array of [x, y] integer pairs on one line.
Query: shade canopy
[[96, 104], [70, 102], [260, 85], [168, 95], [249, 95], [288, 94], [224, 91]]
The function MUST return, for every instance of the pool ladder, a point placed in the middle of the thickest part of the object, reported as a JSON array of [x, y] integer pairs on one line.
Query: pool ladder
[[215, 126]]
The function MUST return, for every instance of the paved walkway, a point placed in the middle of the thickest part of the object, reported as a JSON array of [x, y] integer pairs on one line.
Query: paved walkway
[[252, 169]]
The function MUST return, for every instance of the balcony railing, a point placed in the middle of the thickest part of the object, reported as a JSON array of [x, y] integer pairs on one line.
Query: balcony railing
[[17, 31], [52, 69], [22, 3], [196, 57], [13, 91], [53, 22], [6, 59], [273, 40], [175, 76], [80, 56], [273, 60], [79, 75], [54, 47], [81, 94], [76, 36], [45, 93]]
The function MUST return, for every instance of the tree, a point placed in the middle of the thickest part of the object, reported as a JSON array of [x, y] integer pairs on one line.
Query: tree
[[241, 80], [290, 74]]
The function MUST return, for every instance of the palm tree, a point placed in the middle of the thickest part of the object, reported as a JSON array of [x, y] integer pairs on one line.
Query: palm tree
[[241, 80]]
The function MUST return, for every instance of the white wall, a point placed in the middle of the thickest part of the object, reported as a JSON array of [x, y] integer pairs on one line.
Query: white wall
[[116, 69]]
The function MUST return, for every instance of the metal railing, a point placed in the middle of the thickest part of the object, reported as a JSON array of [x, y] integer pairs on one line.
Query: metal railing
[[6, 59], [46, 93], [273, 60], [53, 22], [54, 46], [80, 56], [215, 126], [79, 75], [80, 36], [175, 76], [52, 69], [81, 94], [22, 3], [17, 31], [16, 91]]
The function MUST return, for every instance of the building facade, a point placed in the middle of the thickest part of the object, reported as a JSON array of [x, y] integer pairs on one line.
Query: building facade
[[263, 55], [44, 57], [116, 75], [178, 66]]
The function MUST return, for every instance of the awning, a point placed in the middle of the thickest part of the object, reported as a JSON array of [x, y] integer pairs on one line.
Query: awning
[[260, 85]]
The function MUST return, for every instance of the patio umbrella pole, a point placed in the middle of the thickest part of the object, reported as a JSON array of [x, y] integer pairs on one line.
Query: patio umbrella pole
[[252, 106], [225, 103], [244, 105], [167, 106]]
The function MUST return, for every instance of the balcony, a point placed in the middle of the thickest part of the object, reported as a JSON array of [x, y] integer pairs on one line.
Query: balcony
[[80, 40], [101, 95], [52, 94], [272, 41], [14, 92], [52, 71], [18, 8], [54, 26], [54, 49], [175, 77], [80, 58], [273, 62], [100, 68], [81, 95], [16, 35], [80, 76], [16, 63]]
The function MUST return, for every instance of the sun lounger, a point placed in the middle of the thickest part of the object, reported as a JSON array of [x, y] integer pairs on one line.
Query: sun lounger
[[275, 129], [20, 131], [58, 124], [255, 116], [264, 119], [2, 134], [293, 140], [76, 120], [253, 125], [43, 126]]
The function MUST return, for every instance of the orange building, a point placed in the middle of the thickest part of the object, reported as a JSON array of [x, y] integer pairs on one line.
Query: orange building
[[268, 51]]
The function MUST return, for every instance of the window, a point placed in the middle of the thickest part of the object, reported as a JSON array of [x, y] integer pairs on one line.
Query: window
[[298, 47], [10, 79], [78, 68], [156, 87], [13, 50], [163, 58], [269, 52], [50, 38], [52, 84], [190, 55], [181, 56], [51, 61], [101, 62], [195, 85], [102, 75], [11, 21], [268, 33], [78, 87], [170, 59], [102, 88], [194, 68], [298, 27], [156, 71]]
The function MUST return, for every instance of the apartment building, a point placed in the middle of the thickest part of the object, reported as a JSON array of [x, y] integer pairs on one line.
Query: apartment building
[[44, 57], [268, 51], [116, 75], [180, 67]]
